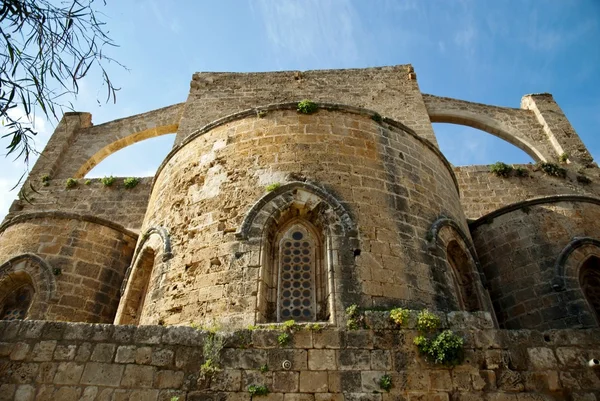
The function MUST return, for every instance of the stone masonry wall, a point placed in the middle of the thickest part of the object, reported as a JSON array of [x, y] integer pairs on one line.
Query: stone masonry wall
[[518, 251], [393, 185], [482, 192], [391, 91], [88, 261], [116, 203], [69, 362]]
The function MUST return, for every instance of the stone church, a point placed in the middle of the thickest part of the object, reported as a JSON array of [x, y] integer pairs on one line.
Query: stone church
[[296, 217]]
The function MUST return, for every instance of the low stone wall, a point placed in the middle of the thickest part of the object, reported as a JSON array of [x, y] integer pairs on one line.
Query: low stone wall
[[72, 361], [116, 203], [482, 192]]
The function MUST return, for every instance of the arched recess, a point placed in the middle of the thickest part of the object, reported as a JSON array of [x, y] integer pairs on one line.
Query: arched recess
[[576, 270], [320, 217], [457, 255], [121, 143], [148, 266], [28, 270], [486, 124]]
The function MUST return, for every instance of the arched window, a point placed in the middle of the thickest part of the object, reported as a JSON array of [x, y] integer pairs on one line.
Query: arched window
[[589, 279], [462, 276], [296, 287], [18, 299]]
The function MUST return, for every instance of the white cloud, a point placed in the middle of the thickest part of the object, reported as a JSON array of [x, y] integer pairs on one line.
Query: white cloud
[[312, 28]]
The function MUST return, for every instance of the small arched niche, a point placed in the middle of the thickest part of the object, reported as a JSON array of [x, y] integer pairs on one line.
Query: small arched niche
[[589, 280], [463, 146]]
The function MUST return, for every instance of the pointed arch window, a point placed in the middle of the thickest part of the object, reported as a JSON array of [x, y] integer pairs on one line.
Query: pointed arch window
[[295, 281]]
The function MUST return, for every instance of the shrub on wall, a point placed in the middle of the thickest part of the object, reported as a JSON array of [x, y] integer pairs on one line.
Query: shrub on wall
[[131, 182], [501, 169], [307, 107], [108, 181]]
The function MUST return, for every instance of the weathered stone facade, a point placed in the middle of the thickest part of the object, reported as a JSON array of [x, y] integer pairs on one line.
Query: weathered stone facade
[[261, 214]]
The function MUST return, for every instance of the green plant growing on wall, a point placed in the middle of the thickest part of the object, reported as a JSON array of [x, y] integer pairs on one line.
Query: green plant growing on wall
[[272, 187], [313, 327], [385, 382], [354, 318], [261, 113], [289, 325], [174, 398], [377, 118], [131, 182], [45, 180], [71, 183], [399, 316], [213, 345], [521, 172], [563, 158], [257, 390], [57, 271], [427, 321], [264, 368], [446, 348], [87, 182], [307, 106], [501, 169], [283, 339], [553, 169], [108, 181]]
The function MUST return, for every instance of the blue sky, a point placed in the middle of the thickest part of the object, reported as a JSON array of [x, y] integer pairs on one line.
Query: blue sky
[[484, 51]]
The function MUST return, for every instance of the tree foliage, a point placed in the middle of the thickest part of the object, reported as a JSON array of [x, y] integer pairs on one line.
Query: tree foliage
[[46, 48]]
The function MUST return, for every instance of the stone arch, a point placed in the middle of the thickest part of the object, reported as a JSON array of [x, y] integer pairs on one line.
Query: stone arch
[[569, 271], [490, 119], [148, 263], [121, 143], [447, 238], [289, 204], [30, 269]]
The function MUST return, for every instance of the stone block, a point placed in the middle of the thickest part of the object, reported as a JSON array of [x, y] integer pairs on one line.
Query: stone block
[[226, 380], [381, 360], [78, 331], [362, 397], [313, 382], [362, 339], [31, 329], [328, 338], [89, 393], [103, 353], [68, 373], [102, 332], [143, 355], [276, 357], [19, 351], [571, 357], [298, 397], [144, 395], [354, 359], [183, 335], [125, 354], [138, 376], [46, 372], [23, 373], [329, 397], [25, 392], [542, 358], [43, 351], [440, 380], [53, 331], [148, 334], [123, 334], [370, 381], [102, 374], [65, 352], [162, 357], [285, 382], [67, 394], [244, 358], [83, 352], [168, 379], [322, 359], [7, 392]]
